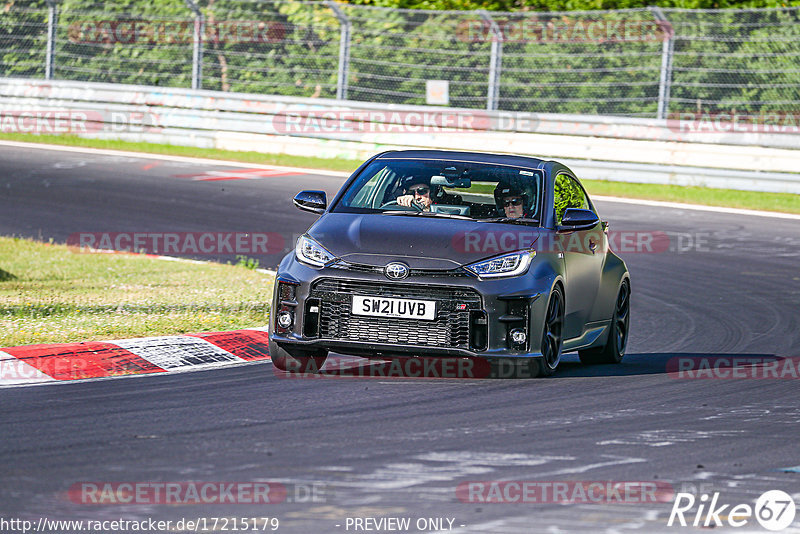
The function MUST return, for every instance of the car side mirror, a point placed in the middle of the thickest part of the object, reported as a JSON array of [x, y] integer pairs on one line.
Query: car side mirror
[[313, 201], [578, 219]]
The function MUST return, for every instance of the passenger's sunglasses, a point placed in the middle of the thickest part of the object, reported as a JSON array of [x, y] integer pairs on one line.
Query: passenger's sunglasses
[[512, 202], [420, 190]]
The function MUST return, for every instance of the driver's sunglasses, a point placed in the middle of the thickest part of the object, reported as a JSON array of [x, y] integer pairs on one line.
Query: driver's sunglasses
[[512, 202], [420, 190]]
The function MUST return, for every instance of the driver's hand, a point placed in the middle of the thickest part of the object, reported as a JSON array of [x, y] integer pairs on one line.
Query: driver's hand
[[405, 200]]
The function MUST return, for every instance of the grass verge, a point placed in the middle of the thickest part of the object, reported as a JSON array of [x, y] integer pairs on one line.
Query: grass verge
[[782, 202], [50, 294], [730, 198]]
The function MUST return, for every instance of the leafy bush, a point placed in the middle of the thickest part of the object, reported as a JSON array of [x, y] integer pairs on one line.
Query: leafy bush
[[724, 60]]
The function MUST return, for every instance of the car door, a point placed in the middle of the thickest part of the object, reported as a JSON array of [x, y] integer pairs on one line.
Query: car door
[[583, 256]]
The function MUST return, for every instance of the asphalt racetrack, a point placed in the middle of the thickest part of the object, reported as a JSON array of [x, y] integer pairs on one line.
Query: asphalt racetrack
[[399, 447]]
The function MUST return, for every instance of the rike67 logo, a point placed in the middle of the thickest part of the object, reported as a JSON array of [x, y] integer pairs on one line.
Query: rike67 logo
[[774, 510]]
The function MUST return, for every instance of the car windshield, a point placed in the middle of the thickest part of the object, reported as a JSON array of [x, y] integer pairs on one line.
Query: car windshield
[[451, 189]]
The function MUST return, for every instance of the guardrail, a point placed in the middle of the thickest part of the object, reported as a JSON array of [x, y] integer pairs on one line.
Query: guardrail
[[711, 151]]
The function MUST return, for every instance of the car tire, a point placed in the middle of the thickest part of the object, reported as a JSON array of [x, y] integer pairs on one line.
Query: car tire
[[297, 362], [552, 334], [614, 349]]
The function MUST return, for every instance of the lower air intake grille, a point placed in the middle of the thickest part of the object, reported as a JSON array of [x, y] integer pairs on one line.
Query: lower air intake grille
[[450, 329]]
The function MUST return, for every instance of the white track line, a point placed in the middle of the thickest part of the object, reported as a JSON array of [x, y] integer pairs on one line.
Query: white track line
[[169, 258], [165, 157], [201, 262], [338, 174], [697, 207]]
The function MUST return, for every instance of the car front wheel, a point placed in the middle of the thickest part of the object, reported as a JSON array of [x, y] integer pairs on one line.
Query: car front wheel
[[552, 333], [614, 349]]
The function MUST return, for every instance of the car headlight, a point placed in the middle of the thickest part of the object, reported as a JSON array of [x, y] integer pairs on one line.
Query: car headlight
[[512, 264], [309, 251]]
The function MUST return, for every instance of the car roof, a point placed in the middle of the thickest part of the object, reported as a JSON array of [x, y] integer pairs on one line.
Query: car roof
[[475, 157]]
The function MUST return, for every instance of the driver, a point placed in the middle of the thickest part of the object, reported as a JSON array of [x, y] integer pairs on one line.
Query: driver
[[416, 190], [511, 200]]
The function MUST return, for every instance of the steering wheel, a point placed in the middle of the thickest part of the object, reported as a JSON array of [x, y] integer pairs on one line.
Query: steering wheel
[[393, 203]]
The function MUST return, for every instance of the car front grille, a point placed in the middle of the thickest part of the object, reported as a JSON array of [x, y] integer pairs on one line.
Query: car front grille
[[362, 268], [450, 329]]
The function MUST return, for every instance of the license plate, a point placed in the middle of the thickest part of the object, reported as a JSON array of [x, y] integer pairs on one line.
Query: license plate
[[424, 310]]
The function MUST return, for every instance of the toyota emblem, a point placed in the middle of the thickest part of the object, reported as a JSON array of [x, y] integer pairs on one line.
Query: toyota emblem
[[396, 271]]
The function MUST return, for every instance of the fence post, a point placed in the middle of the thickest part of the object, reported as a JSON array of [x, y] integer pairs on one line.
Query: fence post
[[52, 24], [344, 50], [197, 45], [667, 48], [495, 61]]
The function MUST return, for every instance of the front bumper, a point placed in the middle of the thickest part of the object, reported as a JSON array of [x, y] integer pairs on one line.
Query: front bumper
[[474, 317]]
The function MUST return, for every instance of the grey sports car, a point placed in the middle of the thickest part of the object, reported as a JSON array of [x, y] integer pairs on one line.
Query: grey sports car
[[441, 254]]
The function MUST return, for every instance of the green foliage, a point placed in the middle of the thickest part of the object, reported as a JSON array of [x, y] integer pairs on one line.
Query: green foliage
[[570, 5], [247, 263], [23, 38], [125, 41], [296, 53], [566, 194], [738, 64], [724, 61]]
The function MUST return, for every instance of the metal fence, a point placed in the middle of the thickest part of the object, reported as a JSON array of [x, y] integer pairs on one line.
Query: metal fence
[[648, 62]]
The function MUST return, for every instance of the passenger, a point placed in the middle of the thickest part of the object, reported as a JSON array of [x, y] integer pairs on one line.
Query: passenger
[[511, 200]]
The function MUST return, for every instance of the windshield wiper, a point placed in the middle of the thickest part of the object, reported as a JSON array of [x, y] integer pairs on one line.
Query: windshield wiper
[[446, 215], [400, 212], [427, 214], [512, 220]]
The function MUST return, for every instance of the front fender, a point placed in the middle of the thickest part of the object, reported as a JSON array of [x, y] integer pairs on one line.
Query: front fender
[[614, 271]]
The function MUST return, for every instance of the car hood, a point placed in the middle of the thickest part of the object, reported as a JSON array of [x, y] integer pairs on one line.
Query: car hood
[[419, 241]]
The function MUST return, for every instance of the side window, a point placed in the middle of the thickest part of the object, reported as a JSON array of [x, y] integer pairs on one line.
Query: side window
[[568, 194], [370, 192]]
